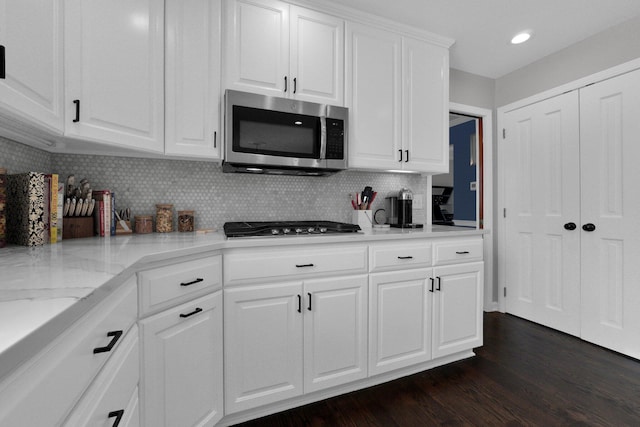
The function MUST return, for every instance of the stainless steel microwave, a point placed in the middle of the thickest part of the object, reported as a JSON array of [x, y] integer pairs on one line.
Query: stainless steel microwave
[[265, 134]]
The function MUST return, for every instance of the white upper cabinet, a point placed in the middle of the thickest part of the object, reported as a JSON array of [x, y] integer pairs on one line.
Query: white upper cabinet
[[374, 97], [276, 49], [31, 62], [192, 78], [425, 106], [398, 94], [114, 66]]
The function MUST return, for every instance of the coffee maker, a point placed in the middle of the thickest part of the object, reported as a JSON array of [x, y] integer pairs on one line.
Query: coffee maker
[[400, 210]]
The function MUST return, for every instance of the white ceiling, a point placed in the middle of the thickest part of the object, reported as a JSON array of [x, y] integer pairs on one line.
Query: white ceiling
[[483, 28]]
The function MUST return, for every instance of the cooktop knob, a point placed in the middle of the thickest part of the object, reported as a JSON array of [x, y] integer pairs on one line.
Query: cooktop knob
[[299, 230], [286, 230], [311, 229], [323, 229], [275, 231]]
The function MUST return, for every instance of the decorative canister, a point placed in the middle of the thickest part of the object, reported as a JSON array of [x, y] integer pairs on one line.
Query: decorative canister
[[3, 202], [144, 224], [186, 221], [164, 218]]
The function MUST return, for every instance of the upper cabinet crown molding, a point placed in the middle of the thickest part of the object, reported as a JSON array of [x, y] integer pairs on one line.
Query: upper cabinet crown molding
[[359, 16]]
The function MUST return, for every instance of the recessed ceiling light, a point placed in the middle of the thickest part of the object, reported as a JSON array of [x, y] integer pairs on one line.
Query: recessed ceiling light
[[521, 37]]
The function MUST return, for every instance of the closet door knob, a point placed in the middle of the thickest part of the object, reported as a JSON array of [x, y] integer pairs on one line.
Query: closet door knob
[[589, 227], [570, 226]]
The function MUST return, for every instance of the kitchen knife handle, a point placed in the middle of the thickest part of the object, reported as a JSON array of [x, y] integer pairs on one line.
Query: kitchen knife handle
[[196, 311], [77, 102], [118, 415], [285, 83], [400, 156], [309, 306], [3, 63], [116, 336], [198, 280]]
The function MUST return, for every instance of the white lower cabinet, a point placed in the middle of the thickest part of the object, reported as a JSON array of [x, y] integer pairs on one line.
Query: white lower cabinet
[[286, 339], [182, 364], [399, 319], [457, 308], [112, 399]]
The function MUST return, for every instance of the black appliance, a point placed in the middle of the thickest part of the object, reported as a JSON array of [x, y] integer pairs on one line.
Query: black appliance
[[440, 196], [287, 228]]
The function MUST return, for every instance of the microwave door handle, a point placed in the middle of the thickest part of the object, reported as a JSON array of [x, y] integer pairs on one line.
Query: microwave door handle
[[323, 138]]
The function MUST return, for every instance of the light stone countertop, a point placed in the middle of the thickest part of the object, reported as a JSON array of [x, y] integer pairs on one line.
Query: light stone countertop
[[44, 289]]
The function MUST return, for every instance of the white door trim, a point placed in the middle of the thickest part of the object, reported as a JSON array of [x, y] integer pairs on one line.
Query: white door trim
[[487, 142]]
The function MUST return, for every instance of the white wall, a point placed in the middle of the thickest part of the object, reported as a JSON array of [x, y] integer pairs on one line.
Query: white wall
[[609, 48]]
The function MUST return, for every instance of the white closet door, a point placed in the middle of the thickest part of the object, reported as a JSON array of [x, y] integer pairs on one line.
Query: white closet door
[[610, 150], [542, 193]]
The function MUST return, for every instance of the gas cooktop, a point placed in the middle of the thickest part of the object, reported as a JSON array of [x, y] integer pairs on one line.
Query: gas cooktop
[[287, 228]]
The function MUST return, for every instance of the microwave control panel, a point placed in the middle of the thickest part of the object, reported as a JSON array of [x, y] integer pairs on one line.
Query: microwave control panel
[[335, 139]]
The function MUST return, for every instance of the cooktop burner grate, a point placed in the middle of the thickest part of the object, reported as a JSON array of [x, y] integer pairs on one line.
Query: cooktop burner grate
[[286, 228]]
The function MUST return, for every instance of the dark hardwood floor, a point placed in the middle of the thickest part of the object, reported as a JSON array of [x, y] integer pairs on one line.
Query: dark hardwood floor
[[525, 374]]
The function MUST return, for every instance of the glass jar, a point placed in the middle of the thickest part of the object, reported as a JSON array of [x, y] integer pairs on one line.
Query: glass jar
[[164, 218], [186, 221], [144, 224]]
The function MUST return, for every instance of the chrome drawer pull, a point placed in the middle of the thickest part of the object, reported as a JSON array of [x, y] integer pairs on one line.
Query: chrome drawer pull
[[196, 311], [116, 336], [192, 283]]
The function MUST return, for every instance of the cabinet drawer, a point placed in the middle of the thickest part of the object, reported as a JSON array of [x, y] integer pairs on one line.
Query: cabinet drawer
[[115, 388], [399, 256], [164, 287], [54, 380], [455, 251], [270, 264]]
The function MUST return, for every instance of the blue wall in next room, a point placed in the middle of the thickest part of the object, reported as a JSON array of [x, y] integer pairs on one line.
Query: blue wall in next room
[[464, 172]]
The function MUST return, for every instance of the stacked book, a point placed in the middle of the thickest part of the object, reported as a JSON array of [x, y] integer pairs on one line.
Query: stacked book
[[33, 209]]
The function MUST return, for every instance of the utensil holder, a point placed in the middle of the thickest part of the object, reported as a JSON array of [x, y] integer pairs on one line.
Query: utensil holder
[[363, 218]]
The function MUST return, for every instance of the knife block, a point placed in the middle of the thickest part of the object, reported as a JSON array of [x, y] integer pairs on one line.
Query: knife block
[[120, 229], [77, 227]]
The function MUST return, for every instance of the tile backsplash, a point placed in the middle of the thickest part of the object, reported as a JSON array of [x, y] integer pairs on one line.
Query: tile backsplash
[[216, 197]]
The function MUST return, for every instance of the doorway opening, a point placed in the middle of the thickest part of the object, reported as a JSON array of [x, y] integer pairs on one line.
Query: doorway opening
[[457, 196]]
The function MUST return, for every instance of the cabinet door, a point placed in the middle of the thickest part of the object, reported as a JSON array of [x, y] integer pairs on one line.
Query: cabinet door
[[609, 150], [263, 345], [31, 35], [192, 78], [317, 56], [425, 111], [335, 331], [399, 319], [542, 194], [114, 66], [373, 96], [457, 308], [182, 364], [257, 46]]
